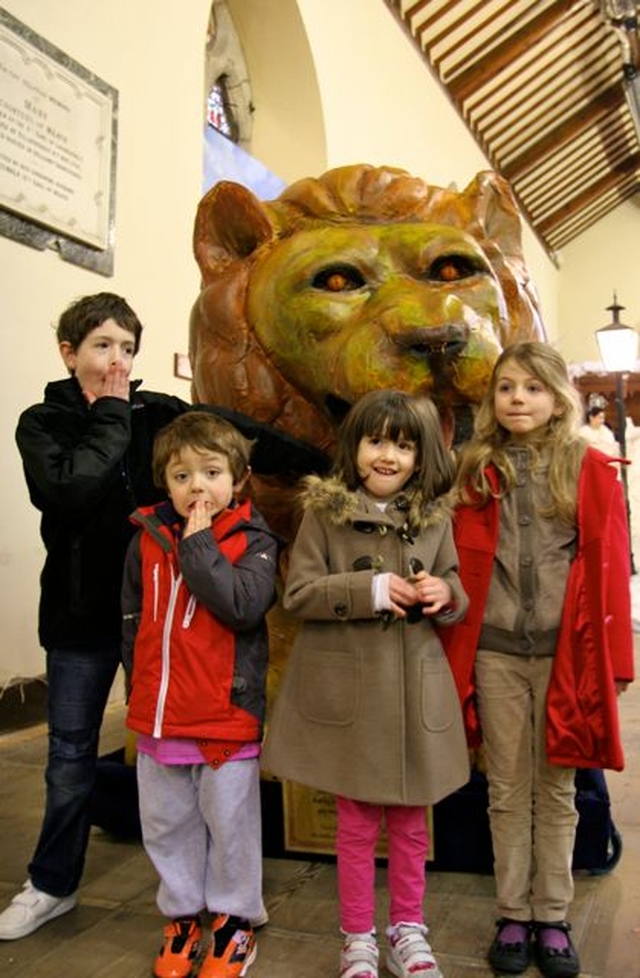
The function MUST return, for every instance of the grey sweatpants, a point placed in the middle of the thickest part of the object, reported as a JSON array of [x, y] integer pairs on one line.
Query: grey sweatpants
[[201, 829]]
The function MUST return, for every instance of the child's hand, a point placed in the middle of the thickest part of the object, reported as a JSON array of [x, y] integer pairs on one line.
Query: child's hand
[[200, 516], [402, 595], [432, 592], [114, 384]]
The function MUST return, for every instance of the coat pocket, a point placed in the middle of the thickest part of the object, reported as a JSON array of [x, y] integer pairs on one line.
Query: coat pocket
[[328, 686], [438, 696]]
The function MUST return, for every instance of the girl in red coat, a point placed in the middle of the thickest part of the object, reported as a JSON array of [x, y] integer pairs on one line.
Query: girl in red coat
[[542, 536]]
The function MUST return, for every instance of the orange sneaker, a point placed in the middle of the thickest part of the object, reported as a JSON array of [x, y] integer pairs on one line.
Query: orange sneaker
[[180, 949], [232, 949]]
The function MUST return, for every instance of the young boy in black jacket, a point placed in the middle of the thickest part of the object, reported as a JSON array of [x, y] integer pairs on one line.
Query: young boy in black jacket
[[87, 451]]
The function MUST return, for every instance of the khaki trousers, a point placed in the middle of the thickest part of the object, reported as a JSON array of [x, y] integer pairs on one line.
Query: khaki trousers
[[532, 810]]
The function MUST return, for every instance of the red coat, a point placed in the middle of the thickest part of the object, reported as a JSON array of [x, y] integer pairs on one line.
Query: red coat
[[595, 642]]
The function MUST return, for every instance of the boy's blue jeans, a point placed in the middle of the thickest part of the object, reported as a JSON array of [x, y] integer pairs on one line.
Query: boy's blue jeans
[[79, 685]]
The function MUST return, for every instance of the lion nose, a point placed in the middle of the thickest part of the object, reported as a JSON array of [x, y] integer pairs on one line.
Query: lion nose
[[434, 341]]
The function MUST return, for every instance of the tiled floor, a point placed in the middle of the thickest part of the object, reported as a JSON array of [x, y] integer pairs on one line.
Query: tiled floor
[[114, 932]]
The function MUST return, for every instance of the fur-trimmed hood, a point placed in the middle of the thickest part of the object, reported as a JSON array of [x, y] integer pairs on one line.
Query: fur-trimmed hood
[[330, 497]]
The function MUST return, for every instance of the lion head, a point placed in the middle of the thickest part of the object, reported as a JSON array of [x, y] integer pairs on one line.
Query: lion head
[[361, 278]]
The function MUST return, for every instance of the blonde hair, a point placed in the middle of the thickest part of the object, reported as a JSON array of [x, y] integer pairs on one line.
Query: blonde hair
[[559, 438]]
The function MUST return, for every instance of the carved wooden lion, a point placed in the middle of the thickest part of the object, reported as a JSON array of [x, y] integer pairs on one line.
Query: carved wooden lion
[[361, 278], [364, 277]]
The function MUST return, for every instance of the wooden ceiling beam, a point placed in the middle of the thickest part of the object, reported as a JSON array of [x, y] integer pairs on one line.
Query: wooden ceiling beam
[[433, 19], [466, 15], [551, 103], [608, 101], [518, 43], [413, 9], [578, 203], [542, 97], [546, 216], [540, 90], [552, 186], [567, 232]]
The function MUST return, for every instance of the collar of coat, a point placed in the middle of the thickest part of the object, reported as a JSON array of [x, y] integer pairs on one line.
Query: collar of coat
[[410, 510], [165, 525]]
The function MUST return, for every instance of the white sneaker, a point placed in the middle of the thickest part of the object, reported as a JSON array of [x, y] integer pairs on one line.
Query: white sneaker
[[261, 919], [30, 909], [409, 954], [359, 956]]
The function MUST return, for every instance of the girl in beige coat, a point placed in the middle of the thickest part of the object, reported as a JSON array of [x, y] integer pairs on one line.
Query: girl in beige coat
[[368, 708]]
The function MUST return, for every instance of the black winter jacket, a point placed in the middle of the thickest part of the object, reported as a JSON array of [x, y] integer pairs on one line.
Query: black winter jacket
[[87, 468]]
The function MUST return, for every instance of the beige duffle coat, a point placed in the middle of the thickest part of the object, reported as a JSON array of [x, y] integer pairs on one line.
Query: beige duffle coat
[[367, 708]]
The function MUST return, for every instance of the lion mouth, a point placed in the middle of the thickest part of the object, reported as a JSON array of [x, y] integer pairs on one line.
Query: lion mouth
[[438, 350], [440, 343]]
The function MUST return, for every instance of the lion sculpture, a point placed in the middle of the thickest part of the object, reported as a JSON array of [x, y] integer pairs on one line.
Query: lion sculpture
[[361, 278]]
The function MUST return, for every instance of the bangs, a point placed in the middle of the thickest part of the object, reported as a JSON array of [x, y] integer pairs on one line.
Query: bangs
[[393, 420]]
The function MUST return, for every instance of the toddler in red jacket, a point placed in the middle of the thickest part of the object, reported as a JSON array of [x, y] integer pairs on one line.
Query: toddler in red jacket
[[199, 578]]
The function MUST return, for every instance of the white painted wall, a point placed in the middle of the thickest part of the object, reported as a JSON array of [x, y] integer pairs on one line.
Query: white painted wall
[[288, 127], [152, 52], [604, 259]]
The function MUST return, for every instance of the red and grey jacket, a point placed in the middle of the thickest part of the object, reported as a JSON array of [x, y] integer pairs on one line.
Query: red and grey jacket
[[194, 624], [595, 642]]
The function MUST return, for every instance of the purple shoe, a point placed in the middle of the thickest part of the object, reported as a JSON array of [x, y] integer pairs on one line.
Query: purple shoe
[[510, 951], [555, 954]]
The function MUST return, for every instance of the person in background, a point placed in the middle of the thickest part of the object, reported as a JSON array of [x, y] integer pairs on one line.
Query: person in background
[[541, 531], [597, 431], [199, 579], [367, 708]]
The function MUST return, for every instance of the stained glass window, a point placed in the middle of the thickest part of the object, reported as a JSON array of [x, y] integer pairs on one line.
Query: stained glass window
[[220, 113]]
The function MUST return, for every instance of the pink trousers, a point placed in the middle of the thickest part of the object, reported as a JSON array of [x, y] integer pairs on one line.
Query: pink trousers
[[359, 826]]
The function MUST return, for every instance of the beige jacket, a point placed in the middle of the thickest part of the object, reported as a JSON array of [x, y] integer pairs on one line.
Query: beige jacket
[[367, 707]]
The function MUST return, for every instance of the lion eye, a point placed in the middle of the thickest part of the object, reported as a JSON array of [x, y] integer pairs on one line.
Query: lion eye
[[452, 268], [339, 278]]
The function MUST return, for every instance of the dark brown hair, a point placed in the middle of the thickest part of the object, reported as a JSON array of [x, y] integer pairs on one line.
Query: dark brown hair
[[395, 415], [89, 312], [203, 432]]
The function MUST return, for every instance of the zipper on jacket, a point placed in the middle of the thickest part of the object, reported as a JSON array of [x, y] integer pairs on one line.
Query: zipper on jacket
[[190, 612], [156, 584], [166, 654]]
